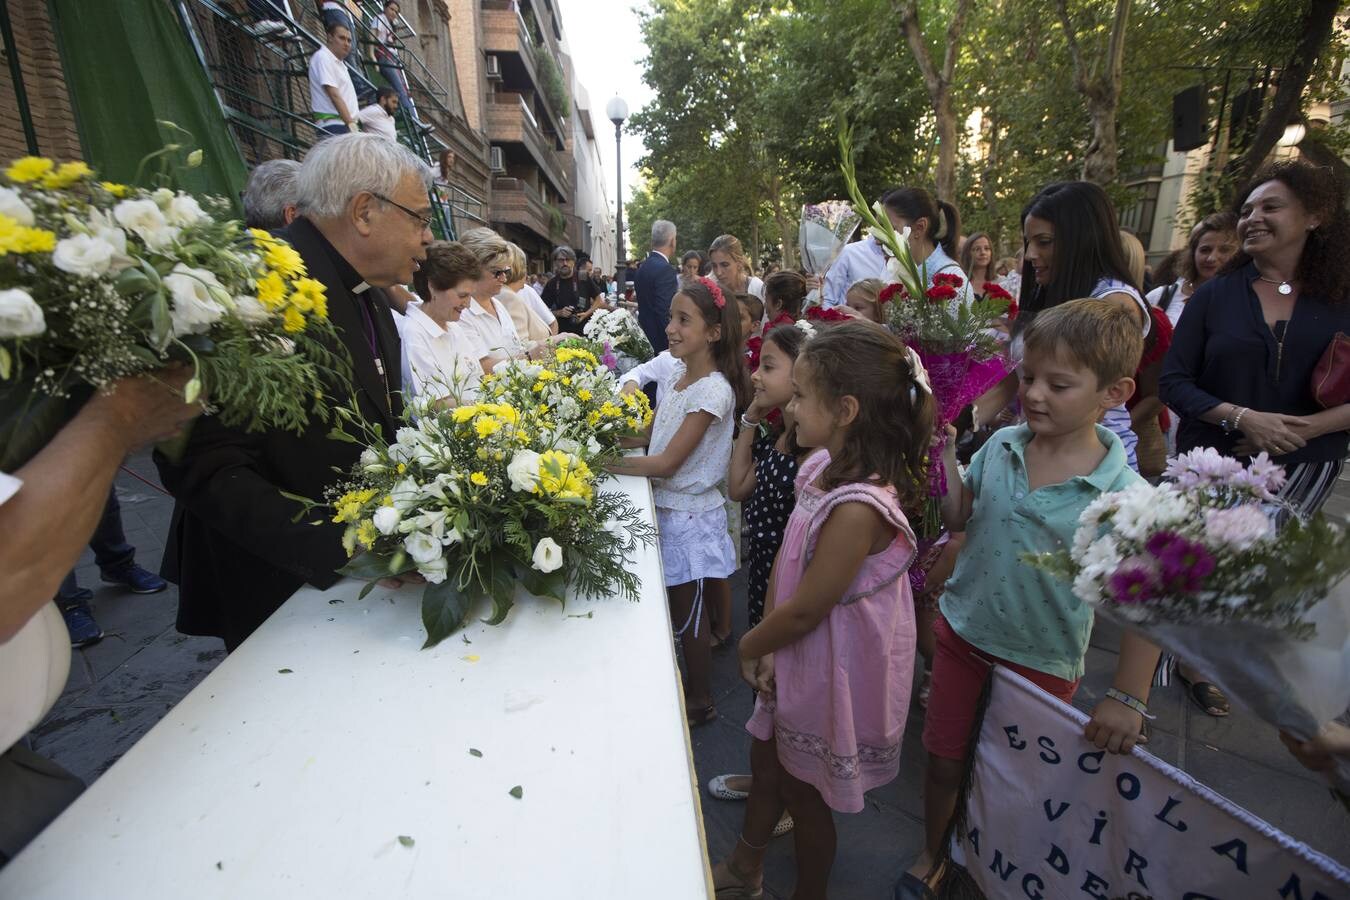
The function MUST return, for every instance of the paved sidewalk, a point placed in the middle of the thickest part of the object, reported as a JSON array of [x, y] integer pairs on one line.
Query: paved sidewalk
[[121, 687]]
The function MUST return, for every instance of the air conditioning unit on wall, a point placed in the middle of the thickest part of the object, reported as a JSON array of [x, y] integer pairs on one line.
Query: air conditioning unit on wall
[[494, 67], [495, 160]]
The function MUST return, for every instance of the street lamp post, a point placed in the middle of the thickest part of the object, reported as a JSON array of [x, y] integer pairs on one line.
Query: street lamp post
[[617, 110]]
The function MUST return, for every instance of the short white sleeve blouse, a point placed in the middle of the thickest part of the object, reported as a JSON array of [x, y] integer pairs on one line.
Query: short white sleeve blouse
[[694, 487]]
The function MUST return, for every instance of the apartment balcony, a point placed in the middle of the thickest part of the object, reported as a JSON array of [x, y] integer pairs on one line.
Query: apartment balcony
[[516, 202], [510, 121], [506, 36]]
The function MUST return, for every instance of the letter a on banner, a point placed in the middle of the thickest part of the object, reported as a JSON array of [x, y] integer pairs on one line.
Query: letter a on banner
[[1104, 825]]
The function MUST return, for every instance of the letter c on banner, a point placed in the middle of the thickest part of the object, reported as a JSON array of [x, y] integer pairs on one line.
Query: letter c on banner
[[1095, 755], [1027, 881]]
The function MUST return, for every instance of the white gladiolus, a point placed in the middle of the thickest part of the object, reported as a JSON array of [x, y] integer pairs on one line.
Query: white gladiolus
[[386, 519], [83, 255], [12, 205], [20, 316], [193, 292], [548, 556], [422, 547]]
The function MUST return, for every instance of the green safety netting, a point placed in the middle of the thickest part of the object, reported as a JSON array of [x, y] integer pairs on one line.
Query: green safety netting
[[129, 64]]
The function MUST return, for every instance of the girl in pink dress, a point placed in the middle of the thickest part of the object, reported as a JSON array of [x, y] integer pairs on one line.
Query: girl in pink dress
[[833, 658]]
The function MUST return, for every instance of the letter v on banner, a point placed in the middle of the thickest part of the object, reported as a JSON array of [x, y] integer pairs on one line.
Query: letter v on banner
[[1103, 824]]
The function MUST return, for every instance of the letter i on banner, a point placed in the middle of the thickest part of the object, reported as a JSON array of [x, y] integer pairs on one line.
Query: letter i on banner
[[1097, 824]]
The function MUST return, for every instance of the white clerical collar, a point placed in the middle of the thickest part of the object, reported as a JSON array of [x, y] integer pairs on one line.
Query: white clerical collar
[[361, 288]]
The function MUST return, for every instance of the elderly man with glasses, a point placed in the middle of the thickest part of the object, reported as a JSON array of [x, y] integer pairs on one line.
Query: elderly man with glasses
[[571, 297], [235, 548]]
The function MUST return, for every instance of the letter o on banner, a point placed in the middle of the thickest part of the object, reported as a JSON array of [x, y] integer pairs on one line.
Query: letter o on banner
[[1128, 785]]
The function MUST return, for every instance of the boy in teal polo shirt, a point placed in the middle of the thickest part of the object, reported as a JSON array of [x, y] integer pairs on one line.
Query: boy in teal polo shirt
[[1023, 493]]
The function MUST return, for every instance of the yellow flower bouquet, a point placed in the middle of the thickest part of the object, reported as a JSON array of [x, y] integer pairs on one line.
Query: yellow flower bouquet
[[100, 280], [482, 498]]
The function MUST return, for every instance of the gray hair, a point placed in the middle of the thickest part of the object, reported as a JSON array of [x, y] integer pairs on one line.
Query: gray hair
[[565, 252], [488, 246], [338, 168], [663, 232], [270, 189]]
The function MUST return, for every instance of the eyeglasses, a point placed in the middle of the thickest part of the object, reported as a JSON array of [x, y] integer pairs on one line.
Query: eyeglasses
[[424, 220], [500, 273]]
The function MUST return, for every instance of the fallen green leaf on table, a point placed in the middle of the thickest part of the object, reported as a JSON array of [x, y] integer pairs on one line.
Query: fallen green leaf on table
[[473, 752], [219, 866], [405, 840], [285, 671], [517, 792]]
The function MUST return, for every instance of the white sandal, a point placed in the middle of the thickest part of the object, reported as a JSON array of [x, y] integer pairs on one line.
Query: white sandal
[[784, 825], [717, 787]]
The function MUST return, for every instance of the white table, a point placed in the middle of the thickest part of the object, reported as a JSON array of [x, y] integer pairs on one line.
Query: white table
[[263, 784]]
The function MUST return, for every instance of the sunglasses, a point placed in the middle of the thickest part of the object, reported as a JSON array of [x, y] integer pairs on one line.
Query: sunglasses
[[500, 273]]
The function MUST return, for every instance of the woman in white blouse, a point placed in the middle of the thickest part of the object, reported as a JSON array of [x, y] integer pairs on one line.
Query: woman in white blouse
[[486, 316], [442, 358], [731, 267]]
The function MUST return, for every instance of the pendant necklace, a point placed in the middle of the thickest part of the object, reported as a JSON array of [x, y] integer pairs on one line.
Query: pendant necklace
[[1284, 287]]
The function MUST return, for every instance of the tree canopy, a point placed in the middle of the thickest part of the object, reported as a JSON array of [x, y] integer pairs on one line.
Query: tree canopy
[[748, 95]]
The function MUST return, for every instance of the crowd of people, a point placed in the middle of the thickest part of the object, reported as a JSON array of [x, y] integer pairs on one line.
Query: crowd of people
[[791, 447]]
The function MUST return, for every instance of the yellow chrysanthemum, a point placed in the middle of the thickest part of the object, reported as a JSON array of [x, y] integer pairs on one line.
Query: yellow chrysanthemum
[[285, 259], [463, 414], [16, 238], [312, 294], [610, 411], [564, 476], [272, 290], [66, 175], [112, 187], [263, 237], [487, 426], [348, 506], [547, 375], [567, 354], [479, 478], [583, 395], [28, 168], [366, 533], [294, 321], [593, 418]]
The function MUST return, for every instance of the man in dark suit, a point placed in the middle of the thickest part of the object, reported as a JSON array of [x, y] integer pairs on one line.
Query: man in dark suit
[[655, 284], [233, 549]]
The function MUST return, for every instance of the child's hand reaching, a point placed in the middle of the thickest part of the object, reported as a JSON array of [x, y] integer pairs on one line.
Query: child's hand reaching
[[1114, 726]]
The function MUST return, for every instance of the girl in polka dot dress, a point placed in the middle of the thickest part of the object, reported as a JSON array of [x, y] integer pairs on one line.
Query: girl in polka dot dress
[[763, 469]]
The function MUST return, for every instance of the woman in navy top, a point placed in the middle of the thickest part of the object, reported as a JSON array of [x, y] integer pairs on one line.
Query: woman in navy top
[[1239, 372]]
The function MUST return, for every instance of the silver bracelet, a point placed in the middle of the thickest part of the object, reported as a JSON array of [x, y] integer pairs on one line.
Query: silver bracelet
[[747, 424], [1237, 420], [1133, 703]]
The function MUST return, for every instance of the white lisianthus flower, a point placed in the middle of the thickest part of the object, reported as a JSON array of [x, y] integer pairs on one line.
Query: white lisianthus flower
[[102, 226], [162, 197], [431, 522], [523, 470], [434, 570], [250, 311], [422, 547], [452, 537], [194, 307], [183, 210], [370, 461], [12, 205], [548, 556], [143, 217], [82, 255], [406, 493], [20, 316], [386, 519]]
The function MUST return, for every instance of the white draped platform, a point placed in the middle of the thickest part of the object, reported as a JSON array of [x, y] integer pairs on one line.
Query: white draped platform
[[293, 770]]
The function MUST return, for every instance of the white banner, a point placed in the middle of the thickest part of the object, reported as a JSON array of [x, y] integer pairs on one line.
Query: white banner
[[1050, 816]]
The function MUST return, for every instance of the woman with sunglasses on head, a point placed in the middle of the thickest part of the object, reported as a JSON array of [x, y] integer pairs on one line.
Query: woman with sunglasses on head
[[486, 316]]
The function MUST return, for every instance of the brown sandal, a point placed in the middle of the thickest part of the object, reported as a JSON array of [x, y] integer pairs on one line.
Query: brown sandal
[[701, 716]]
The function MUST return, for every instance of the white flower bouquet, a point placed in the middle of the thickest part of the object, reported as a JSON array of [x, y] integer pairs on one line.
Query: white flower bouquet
[[99, 281], [823, 231], [477, 500], [575, 400], [620, 330], [1199, 566]]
